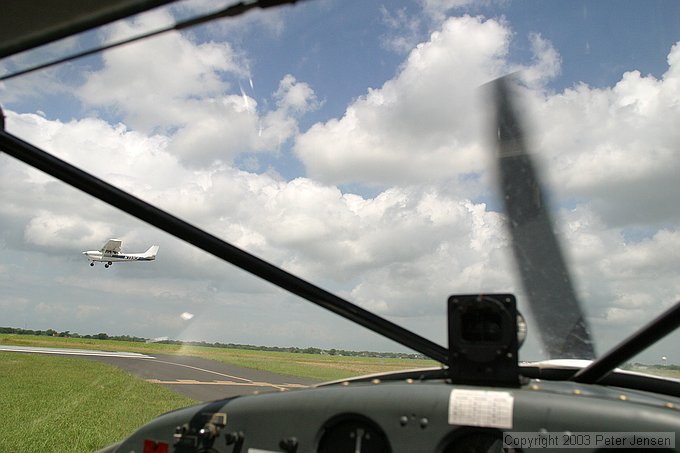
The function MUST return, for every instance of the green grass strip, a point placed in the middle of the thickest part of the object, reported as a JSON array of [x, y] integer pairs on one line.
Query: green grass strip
[[312, 366], [73, 405]]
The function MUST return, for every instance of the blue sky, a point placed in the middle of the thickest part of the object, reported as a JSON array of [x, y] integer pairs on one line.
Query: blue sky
[[600, 40], [345, 142]]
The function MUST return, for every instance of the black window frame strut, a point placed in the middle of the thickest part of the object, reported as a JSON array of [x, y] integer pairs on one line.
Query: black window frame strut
[[108, 193]]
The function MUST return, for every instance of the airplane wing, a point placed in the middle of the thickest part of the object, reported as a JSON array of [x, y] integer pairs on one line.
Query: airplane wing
[[112, 246], [22, 29]]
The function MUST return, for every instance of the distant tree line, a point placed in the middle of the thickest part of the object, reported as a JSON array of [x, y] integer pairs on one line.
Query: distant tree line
[[69, 334], [104, 336], [338, 352], [636, 366]]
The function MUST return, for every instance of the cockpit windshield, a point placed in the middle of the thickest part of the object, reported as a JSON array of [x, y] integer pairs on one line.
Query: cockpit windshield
[[351, 144]]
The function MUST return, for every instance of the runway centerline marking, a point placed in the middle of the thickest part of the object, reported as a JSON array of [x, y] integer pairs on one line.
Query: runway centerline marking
[[228, 383], [69, 351], [130, 355], [247, 381]]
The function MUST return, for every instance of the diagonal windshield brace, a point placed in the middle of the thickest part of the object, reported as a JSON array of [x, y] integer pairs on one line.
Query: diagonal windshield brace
[[636, 343], [142, 210], [230, 11]]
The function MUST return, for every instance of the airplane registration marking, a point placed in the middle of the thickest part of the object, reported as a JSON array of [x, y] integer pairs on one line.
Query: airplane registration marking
[[488, 409]]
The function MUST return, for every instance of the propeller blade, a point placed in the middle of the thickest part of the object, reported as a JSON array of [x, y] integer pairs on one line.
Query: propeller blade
[[546, 280]]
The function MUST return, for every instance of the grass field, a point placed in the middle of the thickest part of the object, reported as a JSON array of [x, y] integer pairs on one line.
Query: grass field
[[312, 366], [64, 404], [72, 405], [675, 374]]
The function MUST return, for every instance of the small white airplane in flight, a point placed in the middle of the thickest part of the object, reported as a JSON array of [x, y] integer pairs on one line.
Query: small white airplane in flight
[[110, 254]]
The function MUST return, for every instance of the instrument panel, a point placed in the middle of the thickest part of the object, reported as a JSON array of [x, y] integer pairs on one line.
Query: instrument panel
[[404, 416]]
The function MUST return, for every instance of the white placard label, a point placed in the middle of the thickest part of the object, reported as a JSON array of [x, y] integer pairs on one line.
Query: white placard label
[[488, 409]]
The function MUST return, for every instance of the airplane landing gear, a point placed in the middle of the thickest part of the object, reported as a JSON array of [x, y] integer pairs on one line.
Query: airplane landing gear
[[92, 264], [107, 265]]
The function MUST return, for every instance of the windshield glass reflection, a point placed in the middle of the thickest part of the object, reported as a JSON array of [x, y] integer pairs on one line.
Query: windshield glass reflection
[[355, 155]]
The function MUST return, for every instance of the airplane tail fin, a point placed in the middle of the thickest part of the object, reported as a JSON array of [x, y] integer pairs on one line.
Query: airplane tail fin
[[151, 253]]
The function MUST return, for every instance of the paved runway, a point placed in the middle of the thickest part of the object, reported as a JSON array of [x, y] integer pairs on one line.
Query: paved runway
[[197, 378], [70, 351]]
